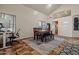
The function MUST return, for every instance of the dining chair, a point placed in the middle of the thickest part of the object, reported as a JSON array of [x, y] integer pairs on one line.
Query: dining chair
[[14, 36], [48, 34]]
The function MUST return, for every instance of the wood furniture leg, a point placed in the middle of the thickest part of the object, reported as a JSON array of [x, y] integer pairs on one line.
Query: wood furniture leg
[[34, 36], [41, 37], [53, 36]]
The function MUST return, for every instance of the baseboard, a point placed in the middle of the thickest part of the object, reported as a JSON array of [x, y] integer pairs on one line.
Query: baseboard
[[55, 35], [68, 37], [75, 37], [28, 37], [25, 38]]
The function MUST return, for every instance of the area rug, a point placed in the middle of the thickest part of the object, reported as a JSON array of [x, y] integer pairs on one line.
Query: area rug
[[44, 47], [70, 49]]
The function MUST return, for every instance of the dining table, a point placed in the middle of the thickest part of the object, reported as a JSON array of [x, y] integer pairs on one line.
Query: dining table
[[42, 32]]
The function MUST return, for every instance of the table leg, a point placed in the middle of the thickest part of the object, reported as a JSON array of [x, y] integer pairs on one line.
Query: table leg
[[34, 36], [4, 40]]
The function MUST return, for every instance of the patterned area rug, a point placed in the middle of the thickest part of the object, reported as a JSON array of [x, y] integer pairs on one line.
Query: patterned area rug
[[66, 49], [70, 49], [44, 47]]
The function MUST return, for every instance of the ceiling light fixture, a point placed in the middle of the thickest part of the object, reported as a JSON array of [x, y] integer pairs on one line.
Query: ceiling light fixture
[[49, 5]]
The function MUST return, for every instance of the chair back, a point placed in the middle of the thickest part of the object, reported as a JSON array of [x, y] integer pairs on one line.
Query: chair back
[[17, 33]]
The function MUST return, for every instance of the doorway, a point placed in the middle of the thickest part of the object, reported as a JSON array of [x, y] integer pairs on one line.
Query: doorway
[[56, 27]]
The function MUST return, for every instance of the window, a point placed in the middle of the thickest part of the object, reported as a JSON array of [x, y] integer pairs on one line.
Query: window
[[76, 23], [7, 21]]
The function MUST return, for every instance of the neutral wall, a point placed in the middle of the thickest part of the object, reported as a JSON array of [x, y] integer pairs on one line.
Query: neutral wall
[[26, 18], [67, 30]]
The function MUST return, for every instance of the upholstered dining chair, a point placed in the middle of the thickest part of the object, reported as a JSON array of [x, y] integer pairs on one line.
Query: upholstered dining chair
[[48, 34]]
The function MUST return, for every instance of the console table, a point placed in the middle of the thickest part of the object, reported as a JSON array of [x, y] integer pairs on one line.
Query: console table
[[4, 39]]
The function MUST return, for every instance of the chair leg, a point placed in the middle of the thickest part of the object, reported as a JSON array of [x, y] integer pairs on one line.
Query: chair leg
[[41, 38], [37, 37], [10, 41], [45, 39], [53, 36], [34, 37]]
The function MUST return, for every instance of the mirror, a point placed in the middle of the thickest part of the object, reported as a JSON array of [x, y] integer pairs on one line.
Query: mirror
[[7, 22]]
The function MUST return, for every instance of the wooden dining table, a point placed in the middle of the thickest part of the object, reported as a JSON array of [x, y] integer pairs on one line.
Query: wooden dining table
[[41, 32]]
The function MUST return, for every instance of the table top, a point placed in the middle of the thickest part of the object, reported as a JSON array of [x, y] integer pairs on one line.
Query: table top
[[5, 32], [42, 31]]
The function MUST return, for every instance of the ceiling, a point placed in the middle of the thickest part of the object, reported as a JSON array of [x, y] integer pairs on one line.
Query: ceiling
[[44, 8]]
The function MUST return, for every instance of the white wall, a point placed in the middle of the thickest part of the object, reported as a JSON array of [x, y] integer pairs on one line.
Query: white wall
[[67, 30], [26, 18]]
